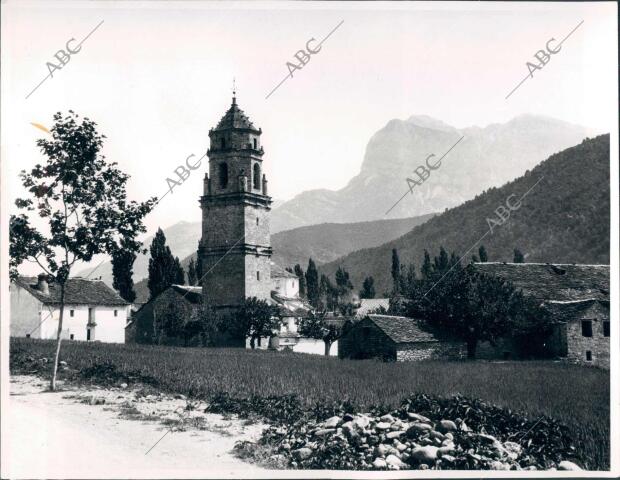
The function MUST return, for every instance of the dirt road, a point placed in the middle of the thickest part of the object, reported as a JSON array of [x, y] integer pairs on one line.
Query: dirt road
[[61, 435]]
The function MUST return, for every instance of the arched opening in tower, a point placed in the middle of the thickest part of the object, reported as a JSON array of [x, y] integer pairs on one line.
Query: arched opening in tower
[[256, 176]]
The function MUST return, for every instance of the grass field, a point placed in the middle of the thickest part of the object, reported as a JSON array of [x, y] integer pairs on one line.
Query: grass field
[[576, 396]]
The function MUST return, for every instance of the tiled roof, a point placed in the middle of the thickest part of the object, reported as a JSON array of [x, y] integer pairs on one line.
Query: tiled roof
[[402, 329], [235, 118], [559, 282], [368, 305], [78, 291], [278, 272]]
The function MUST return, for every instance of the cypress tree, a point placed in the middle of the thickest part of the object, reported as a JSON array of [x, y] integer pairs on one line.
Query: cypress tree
[[482, 253], [163, 270], [312, 283], [191, 273]]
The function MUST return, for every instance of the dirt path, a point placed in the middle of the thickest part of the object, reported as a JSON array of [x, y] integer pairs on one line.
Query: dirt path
[[86, 434]]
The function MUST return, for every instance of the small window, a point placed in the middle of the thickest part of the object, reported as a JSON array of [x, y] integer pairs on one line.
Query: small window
[[257, 275], [116, 313], [606, 329], [72, 336], [588, 356], [27, 335], [88, 334], [257, 221], [254, 144], [586, 328], [71, 313]]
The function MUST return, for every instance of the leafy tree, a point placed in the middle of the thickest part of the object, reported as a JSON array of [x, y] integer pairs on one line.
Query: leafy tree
[[205, 325], [163, 267], [302, 280], [482, 253], [172, 320], [84, 200], [518, 256], [179, 273], [312, 284], [476, 307], [316, 326], [396, 273], [368, 288], [191, 273], [257, 319], [122, 273]]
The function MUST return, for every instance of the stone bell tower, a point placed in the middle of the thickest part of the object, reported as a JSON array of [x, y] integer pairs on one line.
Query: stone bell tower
[[235, 248]]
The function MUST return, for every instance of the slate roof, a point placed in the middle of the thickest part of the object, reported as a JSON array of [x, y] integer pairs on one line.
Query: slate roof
[[235, 118], [278, 272], [402, 329], [557, 282], [368, 305], [78, 291], [191, 294]]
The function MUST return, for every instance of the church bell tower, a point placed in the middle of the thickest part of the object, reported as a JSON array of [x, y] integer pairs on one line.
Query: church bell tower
[[235, 248]]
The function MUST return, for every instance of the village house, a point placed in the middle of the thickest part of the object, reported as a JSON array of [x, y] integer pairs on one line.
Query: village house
[[577, 297], [93, 311], [393, 338], [143, 327]]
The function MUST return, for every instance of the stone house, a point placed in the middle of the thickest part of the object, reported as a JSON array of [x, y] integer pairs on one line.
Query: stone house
[[392, 338], [144, 325], [577, 297], [93, 311]]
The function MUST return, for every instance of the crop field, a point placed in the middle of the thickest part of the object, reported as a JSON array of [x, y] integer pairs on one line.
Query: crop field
[[576, 396]]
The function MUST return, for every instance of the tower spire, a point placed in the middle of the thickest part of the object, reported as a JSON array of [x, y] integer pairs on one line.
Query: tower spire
[[234, 91]]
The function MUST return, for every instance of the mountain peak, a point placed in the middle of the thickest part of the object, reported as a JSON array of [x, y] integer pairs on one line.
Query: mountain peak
[[425, 121]]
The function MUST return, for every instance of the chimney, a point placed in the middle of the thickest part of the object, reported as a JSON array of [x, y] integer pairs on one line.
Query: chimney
[[42, 284]]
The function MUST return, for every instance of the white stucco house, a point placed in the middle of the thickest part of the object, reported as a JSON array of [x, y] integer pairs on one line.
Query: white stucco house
[[93, 311]]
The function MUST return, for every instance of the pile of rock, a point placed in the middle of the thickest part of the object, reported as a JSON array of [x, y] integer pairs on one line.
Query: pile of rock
[[399, 440]]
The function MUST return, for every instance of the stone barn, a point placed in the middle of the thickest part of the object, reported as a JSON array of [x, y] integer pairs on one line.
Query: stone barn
[[392, 338], [577, 296]]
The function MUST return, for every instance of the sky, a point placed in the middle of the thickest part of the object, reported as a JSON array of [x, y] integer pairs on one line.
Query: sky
[[156, 76]]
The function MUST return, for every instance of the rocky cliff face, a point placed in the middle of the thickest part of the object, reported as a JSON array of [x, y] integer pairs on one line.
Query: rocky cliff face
[[485, 157]]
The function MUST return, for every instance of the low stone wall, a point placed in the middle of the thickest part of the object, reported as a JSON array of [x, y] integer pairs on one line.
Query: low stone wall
[[411, 352]]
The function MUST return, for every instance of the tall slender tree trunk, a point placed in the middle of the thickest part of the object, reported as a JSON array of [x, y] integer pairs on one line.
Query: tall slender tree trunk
[[328, 346], [58, 337], [252, 342]]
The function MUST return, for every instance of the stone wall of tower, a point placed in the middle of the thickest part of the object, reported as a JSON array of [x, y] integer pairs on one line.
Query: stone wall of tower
[[235, 248]]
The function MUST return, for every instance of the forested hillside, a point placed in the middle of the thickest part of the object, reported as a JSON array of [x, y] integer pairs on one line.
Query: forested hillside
[[565, 218]]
